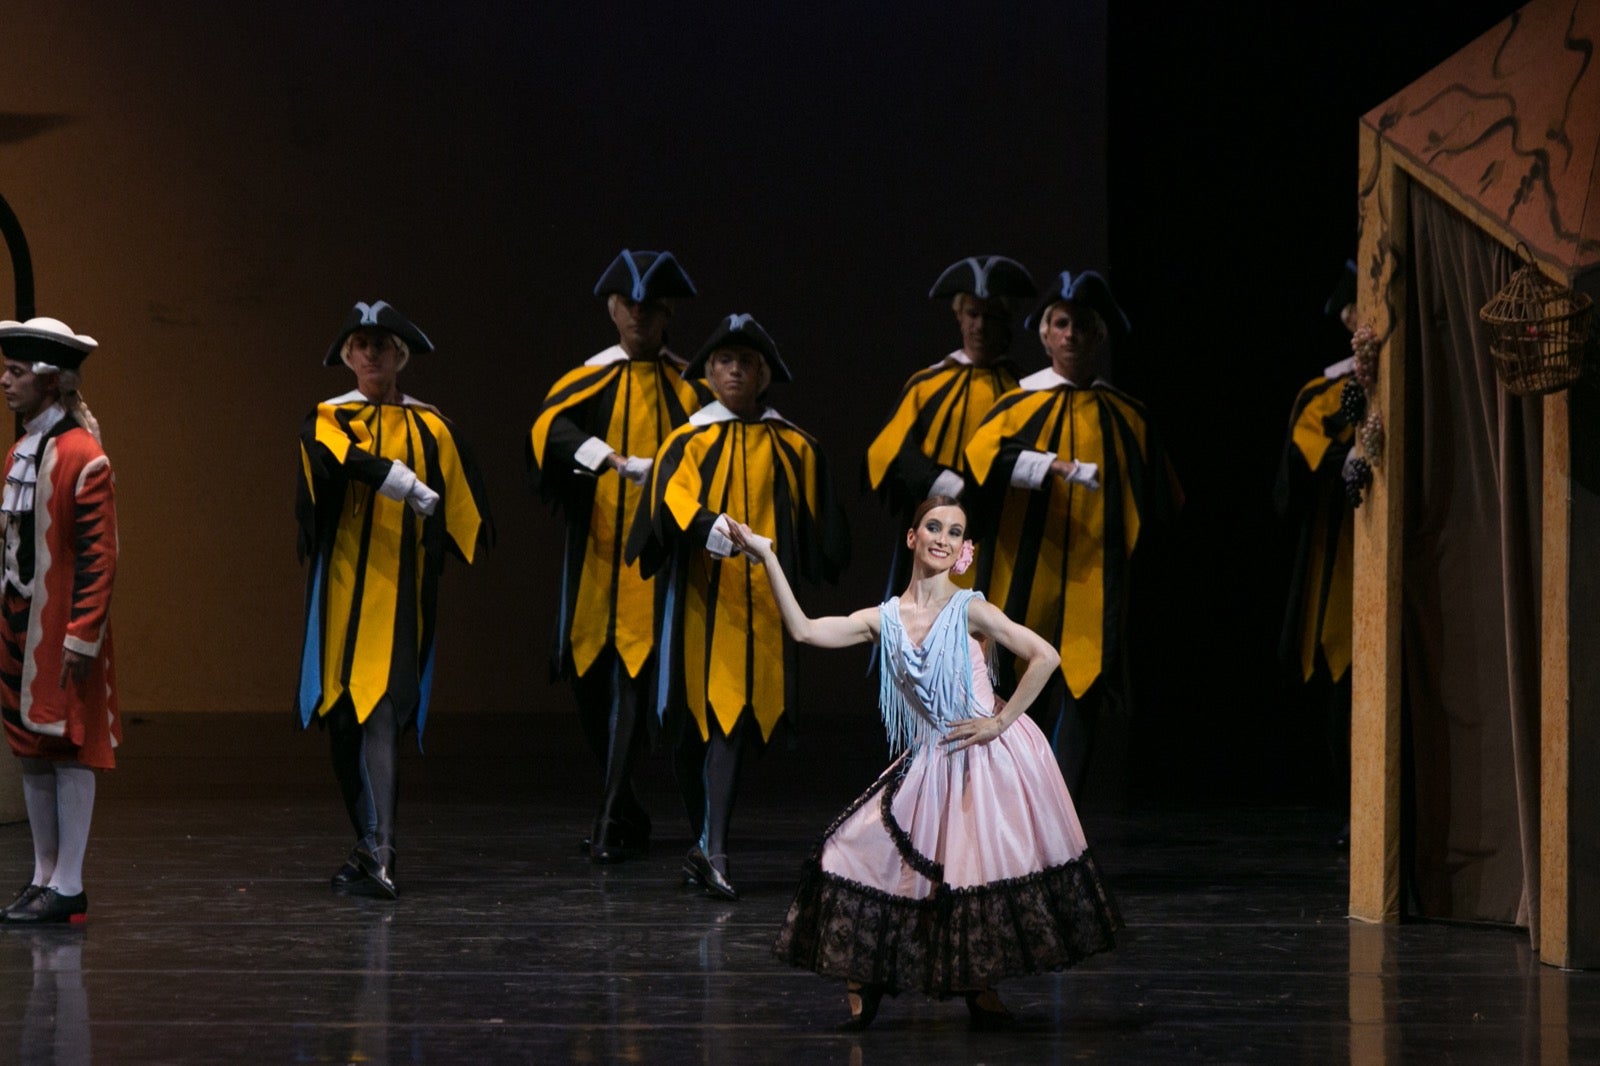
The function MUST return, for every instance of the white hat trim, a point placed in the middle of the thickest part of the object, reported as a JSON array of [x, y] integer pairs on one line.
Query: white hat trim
[[49, 329]]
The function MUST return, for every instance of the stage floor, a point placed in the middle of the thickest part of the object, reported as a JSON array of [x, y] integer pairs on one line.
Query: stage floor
[[213, 935]]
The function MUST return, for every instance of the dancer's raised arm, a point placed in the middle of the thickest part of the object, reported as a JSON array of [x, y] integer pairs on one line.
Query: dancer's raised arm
[[834, 631]]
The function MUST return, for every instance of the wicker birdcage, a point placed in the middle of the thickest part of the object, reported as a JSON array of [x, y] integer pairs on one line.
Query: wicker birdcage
[[1537, 331]]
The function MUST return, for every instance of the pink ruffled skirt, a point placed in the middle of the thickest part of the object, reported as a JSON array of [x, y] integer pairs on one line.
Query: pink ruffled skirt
[[952, 872]]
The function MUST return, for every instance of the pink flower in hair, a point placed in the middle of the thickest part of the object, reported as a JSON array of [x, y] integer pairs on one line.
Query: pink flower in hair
[[964, 560]]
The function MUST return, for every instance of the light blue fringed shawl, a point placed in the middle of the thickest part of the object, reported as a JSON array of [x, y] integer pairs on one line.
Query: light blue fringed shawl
[[923, 690]]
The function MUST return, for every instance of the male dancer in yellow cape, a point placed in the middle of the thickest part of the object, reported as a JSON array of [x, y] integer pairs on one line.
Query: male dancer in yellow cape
[[1310, 497], [1071, 470], [725, 657], [385, 491], [591, 449], [919, 451]]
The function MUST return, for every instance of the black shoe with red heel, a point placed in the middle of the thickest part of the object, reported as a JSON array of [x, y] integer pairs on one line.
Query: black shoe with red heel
[[50, 907]]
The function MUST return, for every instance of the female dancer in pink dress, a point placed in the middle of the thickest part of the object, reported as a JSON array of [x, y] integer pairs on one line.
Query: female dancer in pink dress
[[964, 862]]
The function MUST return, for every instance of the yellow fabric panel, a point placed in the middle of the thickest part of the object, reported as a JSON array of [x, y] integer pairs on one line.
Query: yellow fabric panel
[[887, 444], [305, 472], [684, 491], [462, 522], [1069, 571], [1080, 600], [389, 432], [984, 447], [613, 604], [581, 391], [1310, 437], [747, 640], [972, 392]]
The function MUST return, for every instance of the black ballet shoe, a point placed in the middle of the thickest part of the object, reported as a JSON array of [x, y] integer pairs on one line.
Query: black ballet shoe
[[27, 894], [863, 1000], [50, 907], [377, 875], [987, 1011], [698, 870]]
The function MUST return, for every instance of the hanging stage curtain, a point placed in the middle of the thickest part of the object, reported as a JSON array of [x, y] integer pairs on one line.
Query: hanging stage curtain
[[1470, 626]]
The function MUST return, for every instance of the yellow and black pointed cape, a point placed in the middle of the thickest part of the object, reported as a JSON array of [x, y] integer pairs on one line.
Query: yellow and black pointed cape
[[1310, 496], [632, 405], [1060, 559], [725, 653], [938, 411], [371, 589]]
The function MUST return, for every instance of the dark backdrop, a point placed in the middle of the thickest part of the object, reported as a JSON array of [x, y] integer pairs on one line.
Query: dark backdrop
[[1232, 188]]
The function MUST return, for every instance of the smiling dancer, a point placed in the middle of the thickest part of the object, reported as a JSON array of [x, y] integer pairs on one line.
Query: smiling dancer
[[964, 863]]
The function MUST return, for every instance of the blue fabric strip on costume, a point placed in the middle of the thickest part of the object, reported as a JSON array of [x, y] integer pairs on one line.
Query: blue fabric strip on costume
[[311, 651]]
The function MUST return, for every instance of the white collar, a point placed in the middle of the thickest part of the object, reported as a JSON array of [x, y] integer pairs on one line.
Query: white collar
[[356, 396], [44, 421], [1049, 379], [613, 354], [716, 412], [617, 354], [1339, 369]]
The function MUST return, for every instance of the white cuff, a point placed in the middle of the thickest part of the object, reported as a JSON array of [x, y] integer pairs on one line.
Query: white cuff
[[83, 647], [718, 543], [948, 483], [1031, 470], [591, 454], [397, 483]]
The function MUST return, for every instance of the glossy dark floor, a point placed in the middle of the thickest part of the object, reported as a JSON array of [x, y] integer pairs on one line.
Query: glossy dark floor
[[213, 935]]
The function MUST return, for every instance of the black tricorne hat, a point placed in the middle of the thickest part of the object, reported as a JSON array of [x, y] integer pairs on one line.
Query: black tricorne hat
[[739, 330], [1344, 293], [1088, 288], [986, 277], [45, 340], [642, 276], [377, 315]]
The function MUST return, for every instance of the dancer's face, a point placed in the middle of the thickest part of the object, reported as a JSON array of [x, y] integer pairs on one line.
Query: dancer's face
[[738, 375], [1073, 335], [641, 326], [936, 540], [375, 359], [27, 393], [985, 328]]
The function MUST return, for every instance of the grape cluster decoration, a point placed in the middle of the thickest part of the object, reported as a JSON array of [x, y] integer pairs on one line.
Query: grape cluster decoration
[[1357, 479], [1357, 412], [1364, 345], [1353, 403]]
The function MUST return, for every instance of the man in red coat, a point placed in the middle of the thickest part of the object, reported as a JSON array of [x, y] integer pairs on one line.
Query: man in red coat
[[57, 690]]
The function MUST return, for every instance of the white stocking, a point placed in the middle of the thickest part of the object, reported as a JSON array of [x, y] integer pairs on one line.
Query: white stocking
[[74, 809], [39, 796]]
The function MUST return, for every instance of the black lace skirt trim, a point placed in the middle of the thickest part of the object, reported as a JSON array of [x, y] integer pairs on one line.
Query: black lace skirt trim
[[955, 940]]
